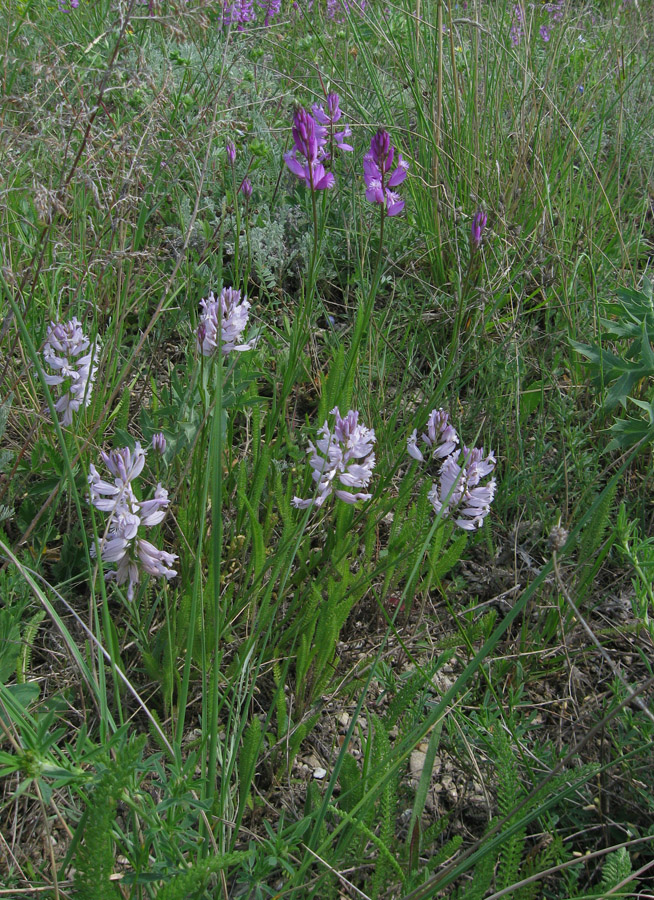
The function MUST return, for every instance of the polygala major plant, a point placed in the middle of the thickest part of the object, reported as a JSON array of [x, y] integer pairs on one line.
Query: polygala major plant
[[255, 586], [459, 493], [121, 543], [342, 457], [377, 164], [71, 354], [306, 158], [222, 323]]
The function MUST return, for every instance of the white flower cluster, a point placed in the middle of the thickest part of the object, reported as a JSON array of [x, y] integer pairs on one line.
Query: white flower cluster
[[121, 543], [69, 352], [343, 456]]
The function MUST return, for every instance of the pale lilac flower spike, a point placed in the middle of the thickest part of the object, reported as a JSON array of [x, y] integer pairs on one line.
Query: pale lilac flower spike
[[69, 352], [229, 311], [459, 493], [120, 543], [343, 456], [159, 443], [441, 438]]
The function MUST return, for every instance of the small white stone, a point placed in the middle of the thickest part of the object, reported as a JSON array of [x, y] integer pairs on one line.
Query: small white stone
[[319, 773], [417, 763]]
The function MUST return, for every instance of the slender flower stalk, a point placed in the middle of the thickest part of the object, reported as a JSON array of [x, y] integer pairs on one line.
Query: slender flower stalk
[[305, 161], [121, 543], [246, 190], [343, 456], [516, 31], [230, 149], [479, 221], [69, 352]]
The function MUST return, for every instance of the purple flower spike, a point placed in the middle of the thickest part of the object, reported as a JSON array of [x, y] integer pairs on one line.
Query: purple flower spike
[[343, 455], [69, 352], [333, 113], [377, 164], [230, 148], [271, 9], [516, 26], [246, 188], [309, 138], [329, 119], [229, 313], [238, 12], [479, 221], [120, 542]]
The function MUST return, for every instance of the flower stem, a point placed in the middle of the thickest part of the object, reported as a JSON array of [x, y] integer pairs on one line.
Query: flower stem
[[237, 237]]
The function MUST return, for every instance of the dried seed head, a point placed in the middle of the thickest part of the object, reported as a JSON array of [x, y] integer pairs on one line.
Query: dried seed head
[[558, 537]]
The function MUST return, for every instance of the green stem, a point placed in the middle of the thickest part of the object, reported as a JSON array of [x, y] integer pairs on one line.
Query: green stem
[[215, 464], [314, 255], [237, 237], [454, 343], [364, 315]]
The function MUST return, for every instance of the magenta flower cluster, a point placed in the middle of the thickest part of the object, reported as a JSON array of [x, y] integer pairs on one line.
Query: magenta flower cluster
[[377, 164], [121, 542], [479, 221], [311, 135], [271, 9], [239, 13], [69, 352], [459, 493], [342, 460], [306, 158], [328, 119]]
